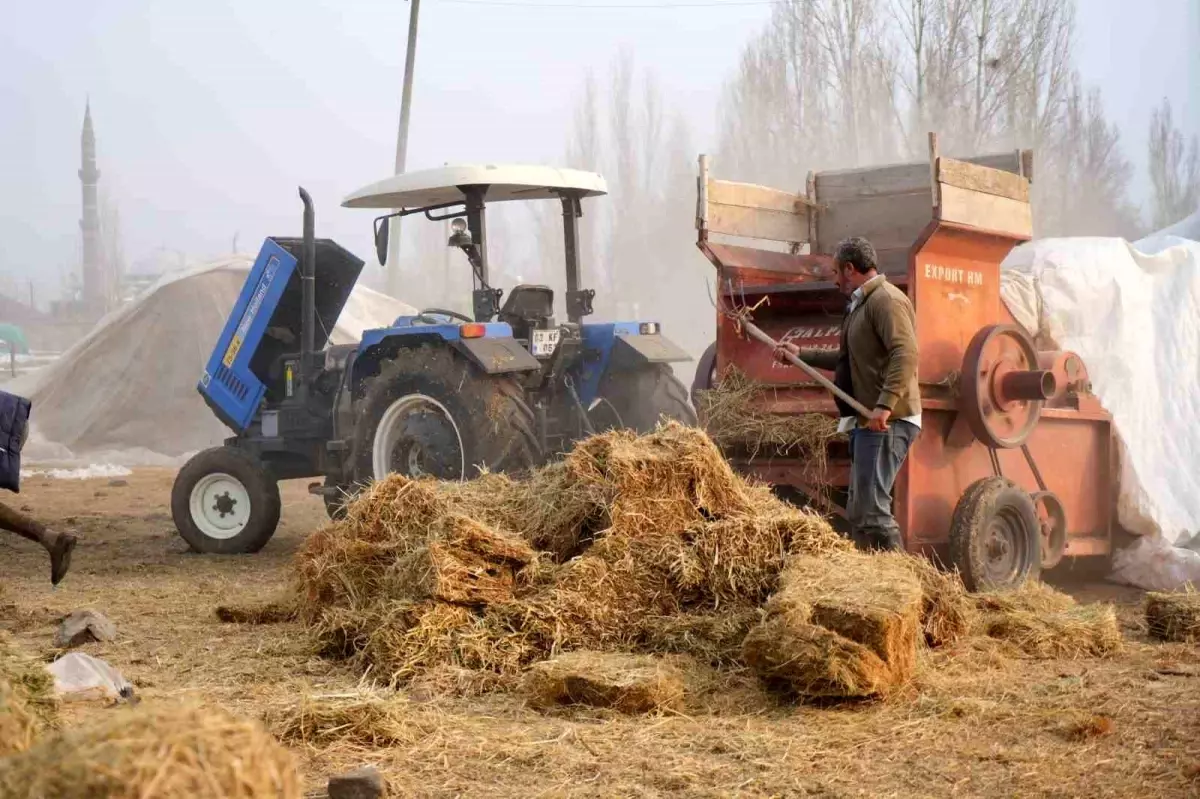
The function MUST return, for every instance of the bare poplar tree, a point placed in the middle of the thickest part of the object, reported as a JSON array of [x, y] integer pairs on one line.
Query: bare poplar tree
[[1174, 170]]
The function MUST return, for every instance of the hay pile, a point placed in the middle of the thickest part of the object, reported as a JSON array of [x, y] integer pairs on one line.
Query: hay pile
[[590, 553], [1174, 617], [732, 416], [631, 545], [1044, 623], [28, 707], [163, 751]]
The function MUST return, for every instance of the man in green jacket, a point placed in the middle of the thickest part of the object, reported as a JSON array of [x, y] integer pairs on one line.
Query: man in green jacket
[[876, 363]]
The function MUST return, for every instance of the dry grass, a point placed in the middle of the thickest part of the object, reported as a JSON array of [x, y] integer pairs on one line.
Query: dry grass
[[1045, 623], [358, 717], [625, 683], [170, 751], [28, 706], [732, 416], [1174, 617], [422, 575], [846, 625], [986, 721]]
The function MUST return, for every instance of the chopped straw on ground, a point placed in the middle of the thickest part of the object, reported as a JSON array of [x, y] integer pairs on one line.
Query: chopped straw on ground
[[1174, 617], [627, 683], [361, 718], [28, 707], [1044, 623], [167, 751]]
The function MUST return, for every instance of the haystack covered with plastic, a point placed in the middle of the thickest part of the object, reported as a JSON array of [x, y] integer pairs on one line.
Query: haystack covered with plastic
[[131, 383], [1129, 309]]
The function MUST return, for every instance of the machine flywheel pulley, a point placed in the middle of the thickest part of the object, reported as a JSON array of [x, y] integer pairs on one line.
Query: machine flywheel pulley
[[1052, 523], [1002, 388]]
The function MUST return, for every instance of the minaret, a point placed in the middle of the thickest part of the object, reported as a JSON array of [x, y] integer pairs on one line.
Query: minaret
[[93, 255]]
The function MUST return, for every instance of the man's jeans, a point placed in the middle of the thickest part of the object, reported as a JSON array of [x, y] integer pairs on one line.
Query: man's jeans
[[876, 458]]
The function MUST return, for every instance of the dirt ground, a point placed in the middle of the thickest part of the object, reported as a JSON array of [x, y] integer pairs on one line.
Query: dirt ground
[[977, 722]]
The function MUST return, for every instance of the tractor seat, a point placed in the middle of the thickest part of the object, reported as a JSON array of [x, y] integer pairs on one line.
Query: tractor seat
[[528, 307]]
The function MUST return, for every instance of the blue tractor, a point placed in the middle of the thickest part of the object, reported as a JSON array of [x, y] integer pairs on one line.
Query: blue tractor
[[437, 394]]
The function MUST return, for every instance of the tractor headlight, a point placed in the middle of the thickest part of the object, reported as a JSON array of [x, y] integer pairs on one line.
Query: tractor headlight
[[648, 328], [458, 225]]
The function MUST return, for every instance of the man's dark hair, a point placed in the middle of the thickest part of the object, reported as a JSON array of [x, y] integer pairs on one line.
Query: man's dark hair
[[858, 253]]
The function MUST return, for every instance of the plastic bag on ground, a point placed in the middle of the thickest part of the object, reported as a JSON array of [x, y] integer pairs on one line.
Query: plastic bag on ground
[[80, 677]]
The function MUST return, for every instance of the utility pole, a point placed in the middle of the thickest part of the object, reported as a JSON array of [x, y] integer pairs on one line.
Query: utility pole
[[393, 264]]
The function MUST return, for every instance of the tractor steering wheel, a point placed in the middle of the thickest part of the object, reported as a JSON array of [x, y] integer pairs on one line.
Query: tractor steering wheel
[[429, 320]]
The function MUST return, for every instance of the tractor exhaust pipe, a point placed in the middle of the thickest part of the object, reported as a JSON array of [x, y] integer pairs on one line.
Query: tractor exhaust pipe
[[308, 296]]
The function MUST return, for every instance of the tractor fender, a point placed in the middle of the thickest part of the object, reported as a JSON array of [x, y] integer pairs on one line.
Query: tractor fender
[[496, 352], [497, 356], [632, 351]]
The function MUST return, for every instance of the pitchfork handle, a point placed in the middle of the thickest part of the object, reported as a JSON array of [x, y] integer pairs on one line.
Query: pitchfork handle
[[757, 334]]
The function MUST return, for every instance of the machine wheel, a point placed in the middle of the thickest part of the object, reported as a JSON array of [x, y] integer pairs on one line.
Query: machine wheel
[[706, 373], [224, 502], [995, 539], [640, 398], [429, 413]]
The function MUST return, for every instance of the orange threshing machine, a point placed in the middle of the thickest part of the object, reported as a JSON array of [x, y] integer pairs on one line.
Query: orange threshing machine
[[1014, 467]]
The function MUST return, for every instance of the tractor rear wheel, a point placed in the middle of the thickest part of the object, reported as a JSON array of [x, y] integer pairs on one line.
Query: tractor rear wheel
[[225, 502], [429, 413], [995, 538], [638, 399]]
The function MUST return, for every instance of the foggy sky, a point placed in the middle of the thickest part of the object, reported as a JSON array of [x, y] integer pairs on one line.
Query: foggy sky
[[208, 115]]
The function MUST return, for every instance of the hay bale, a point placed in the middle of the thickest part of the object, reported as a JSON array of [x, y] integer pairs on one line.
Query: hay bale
[[1174, 617], [28, 707], [873, 600], [845, 625], [1044, 623], [947, 611], [164, 751], [359, 718], [811, 662], [627, 683]]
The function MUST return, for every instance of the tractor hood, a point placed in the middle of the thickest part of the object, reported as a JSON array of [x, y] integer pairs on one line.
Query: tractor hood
[[441, 186]]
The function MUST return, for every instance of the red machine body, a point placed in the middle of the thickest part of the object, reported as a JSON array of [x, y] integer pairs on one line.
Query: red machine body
[[993, 405]]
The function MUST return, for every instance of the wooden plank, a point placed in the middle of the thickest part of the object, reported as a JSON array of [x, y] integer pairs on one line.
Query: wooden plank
[[889, 222], [756, 212], [986, 211], [844, 184], [982, 179], [750, 195]]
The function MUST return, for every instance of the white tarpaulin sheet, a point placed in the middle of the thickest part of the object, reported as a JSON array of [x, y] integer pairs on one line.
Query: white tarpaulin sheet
[[1132, 312]]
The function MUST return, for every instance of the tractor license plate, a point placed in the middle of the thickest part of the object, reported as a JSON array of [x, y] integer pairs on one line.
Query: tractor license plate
[[544, 342]]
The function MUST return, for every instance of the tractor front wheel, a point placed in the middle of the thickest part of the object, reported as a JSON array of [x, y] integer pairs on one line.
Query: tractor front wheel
[[995, 538], [224, 502], [638, 399], [429, 413]]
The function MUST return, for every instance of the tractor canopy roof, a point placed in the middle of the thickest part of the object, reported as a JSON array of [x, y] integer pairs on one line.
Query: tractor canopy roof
[[430, 187]]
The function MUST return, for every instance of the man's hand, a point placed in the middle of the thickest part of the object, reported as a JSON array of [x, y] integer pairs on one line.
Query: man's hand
[[879, 420], [783, 349]]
